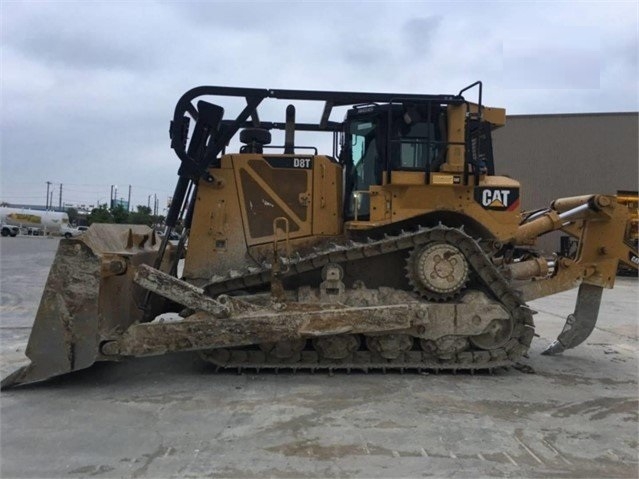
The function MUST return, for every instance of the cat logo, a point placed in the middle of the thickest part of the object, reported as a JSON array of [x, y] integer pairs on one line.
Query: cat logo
[[633, 259], [499, 199]]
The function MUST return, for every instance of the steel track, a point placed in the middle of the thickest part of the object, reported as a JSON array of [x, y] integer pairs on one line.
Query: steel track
[[471, 360]]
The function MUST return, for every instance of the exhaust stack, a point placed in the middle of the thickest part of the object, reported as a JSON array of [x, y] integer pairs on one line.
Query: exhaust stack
[[289, 136]]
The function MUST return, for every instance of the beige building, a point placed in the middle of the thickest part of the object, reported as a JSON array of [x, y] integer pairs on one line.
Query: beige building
[[562, 155]]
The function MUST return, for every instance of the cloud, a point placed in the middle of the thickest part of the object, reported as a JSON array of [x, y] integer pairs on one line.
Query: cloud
[[552, 69], [421, 33], [76, 49], [88, 88], [81, 35]]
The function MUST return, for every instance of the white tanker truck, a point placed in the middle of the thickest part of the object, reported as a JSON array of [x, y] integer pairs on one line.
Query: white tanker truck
[[48, 221]]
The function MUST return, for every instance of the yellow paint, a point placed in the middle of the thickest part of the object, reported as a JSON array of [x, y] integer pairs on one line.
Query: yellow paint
[[25, 218]]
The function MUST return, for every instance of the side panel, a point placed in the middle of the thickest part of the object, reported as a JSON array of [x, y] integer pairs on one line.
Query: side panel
[[274, 186], [233, 225], [327, 197], [494, 203], [216, 241], [456, 138]]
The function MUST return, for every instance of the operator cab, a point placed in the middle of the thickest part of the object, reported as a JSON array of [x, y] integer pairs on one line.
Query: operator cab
[[392, 137], [405, 136]]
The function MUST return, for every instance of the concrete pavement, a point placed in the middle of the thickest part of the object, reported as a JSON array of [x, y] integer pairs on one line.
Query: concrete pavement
[[172, 416]]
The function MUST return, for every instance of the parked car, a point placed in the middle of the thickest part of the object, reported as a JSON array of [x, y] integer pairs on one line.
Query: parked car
[[32, 231], [174, 236], [71, 231], [9, 230]]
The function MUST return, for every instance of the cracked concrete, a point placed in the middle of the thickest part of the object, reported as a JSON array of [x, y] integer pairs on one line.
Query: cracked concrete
[[172, 416]]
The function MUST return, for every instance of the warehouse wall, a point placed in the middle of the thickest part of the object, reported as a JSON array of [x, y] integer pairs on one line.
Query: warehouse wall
[[562, 155]]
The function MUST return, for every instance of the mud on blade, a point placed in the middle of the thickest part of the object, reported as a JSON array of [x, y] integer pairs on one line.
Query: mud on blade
[[88, 297]]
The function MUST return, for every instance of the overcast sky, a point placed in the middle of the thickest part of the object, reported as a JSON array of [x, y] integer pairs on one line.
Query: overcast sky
[[88, 88]]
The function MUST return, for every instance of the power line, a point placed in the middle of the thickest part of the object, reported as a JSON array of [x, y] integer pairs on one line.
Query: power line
[[93, 186]]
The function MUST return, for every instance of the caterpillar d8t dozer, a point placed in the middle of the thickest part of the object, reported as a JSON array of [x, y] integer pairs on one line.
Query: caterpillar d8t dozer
[[400, 249]]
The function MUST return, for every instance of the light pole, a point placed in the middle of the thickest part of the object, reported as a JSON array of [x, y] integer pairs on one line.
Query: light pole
[[48, 186]]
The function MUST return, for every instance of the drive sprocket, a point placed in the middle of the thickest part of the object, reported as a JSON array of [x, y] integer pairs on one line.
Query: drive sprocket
[[437, 271]]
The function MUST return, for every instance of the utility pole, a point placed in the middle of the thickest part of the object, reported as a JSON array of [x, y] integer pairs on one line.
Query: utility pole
[[48, 185], [155, 205], [51, 199], [111, 200], [60, 202], [129, 201]]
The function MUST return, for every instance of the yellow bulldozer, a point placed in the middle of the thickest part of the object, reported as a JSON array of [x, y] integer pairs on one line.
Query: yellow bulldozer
[[400, 249]]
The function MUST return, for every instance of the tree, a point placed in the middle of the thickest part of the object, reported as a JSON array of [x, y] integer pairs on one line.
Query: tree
[[142, 216], [119, 214], [100, 215], [72, 213]]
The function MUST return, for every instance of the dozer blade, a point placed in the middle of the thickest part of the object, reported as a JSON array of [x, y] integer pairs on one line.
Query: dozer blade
[[89, 296], [581, 323]]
